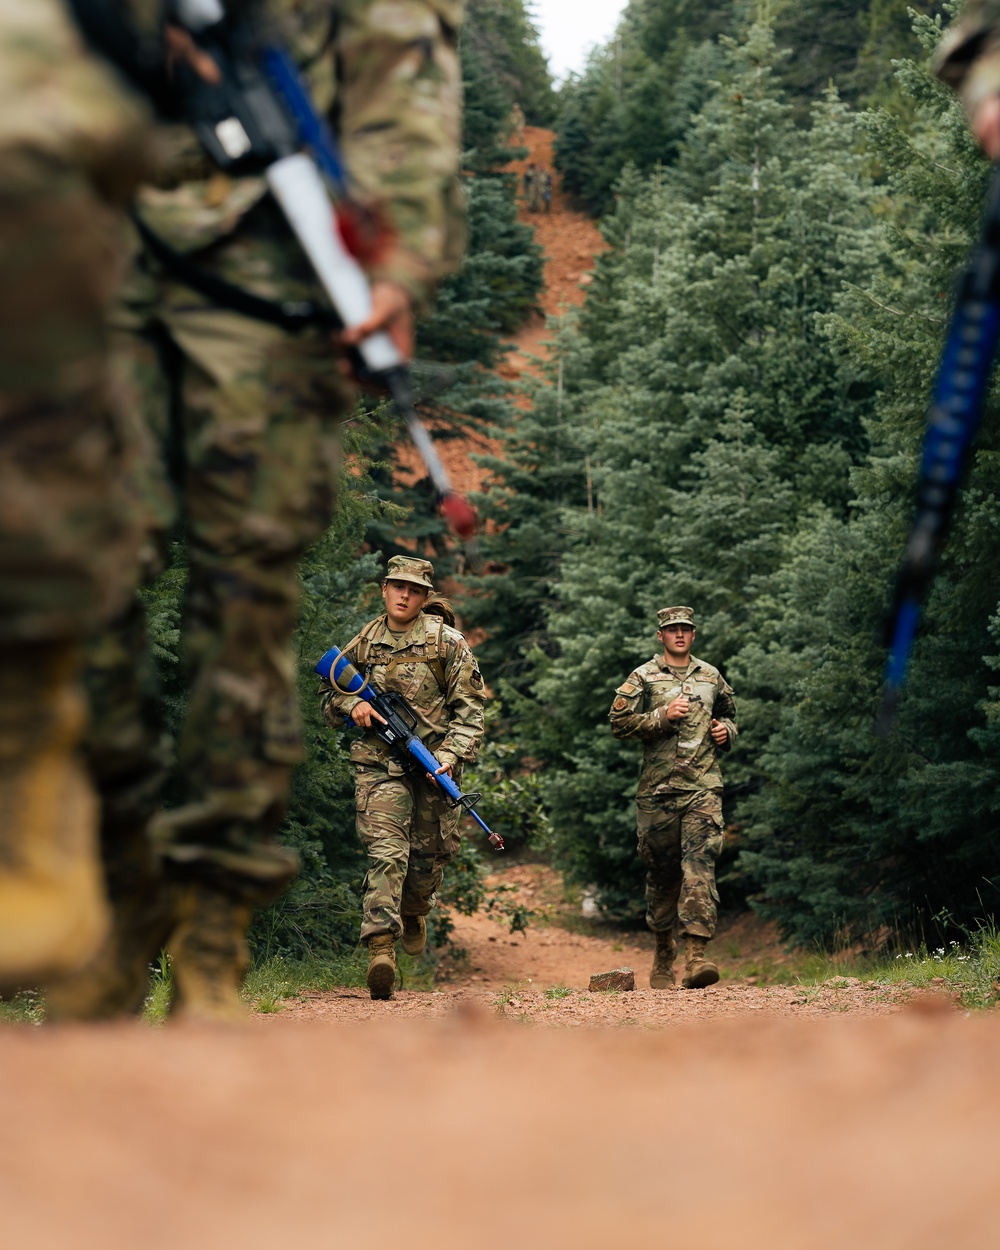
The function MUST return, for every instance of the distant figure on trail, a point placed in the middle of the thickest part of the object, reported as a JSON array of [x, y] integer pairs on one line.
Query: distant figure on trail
[[682, 710], [529, 186], [535, 195], [968, 60], [407, 827], [547, 191], [517, 124]]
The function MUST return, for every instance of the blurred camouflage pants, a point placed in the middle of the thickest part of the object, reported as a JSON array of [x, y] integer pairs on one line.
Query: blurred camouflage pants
[[680, 838], [410, 833], [251, 413], [67, 540]]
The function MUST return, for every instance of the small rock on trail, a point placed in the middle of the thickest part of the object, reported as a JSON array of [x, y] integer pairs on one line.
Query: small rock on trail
[[619, 979]]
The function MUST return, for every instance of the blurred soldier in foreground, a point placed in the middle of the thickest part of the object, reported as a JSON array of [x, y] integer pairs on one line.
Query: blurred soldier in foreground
[[405, 824], [682, 711], [71, 152], [968, 60], [255, 410]]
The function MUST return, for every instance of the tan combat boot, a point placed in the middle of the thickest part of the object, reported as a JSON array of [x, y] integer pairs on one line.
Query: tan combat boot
[[381, 965], [699, 972], [661, 976], [53, 913], [414, 935], [209, 954]]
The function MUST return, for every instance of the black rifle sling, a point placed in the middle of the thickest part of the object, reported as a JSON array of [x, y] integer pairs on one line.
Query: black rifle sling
[[291, 315]]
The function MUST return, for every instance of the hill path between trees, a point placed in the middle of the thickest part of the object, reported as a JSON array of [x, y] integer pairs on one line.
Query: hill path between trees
[[570, 241]]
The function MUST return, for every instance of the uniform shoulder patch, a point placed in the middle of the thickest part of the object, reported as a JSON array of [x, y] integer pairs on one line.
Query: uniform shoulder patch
[[620, 704], [628, 688]]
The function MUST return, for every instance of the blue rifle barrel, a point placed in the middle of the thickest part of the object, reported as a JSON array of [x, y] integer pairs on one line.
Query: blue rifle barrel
[[338, 670], [952, 422], [313, 131]]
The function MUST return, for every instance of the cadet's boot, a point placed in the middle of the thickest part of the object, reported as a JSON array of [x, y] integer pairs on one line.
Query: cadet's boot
[[116, 981], [414, 935], [53, 913], [209, 955], [661, 976], [698, 971], [381, 965]]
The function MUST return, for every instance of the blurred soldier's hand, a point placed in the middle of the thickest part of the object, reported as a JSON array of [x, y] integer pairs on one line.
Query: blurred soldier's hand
[[181, 47], [986, 127], [363, 714], [720, 734], [679, 708], [392, 311]]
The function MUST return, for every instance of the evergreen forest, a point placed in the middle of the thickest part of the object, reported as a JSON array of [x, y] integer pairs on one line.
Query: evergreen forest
[[732, 420]]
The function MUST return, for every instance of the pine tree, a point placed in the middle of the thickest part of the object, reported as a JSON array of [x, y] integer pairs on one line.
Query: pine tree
[[710, 416], [852, 834]]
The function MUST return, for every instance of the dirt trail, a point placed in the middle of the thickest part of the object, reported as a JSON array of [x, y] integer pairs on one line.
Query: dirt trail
[[467, 1132], [542, 975]]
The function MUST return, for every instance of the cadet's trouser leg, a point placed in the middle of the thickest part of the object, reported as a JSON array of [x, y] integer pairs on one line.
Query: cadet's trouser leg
[[434, 841], [659, 830], [385, 810], [701, 845], [260, 412], [680, 839], [67, 551]]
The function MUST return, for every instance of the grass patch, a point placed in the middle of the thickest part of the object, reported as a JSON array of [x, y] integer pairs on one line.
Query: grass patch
[[269, 984], [555, 992], [971, 970], [26, 1007], [508, 997]]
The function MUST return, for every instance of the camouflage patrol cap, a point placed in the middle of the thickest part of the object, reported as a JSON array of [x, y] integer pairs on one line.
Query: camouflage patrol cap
[[410, 569], [675, 616]]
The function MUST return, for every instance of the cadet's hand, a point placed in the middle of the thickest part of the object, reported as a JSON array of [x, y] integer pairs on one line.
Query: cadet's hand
[[445, 768], [363, 714], [679, 708], [392, 311], [986, 126], [182, 48], [720, 734]]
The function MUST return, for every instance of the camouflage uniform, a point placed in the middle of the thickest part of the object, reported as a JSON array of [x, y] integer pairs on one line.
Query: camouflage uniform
[[407, 829], [968, 56], [679, 796], [259, 406], [72, 148]]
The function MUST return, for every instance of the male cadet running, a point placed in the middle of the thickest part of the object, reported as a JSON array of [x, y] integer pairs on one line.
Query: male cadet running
[[682, 711], [405, 824]]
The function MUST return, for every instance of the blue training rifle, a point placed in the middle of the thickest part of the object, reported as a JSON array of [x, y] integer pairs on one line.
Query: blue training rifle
[[952, 422], [398, 731]]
